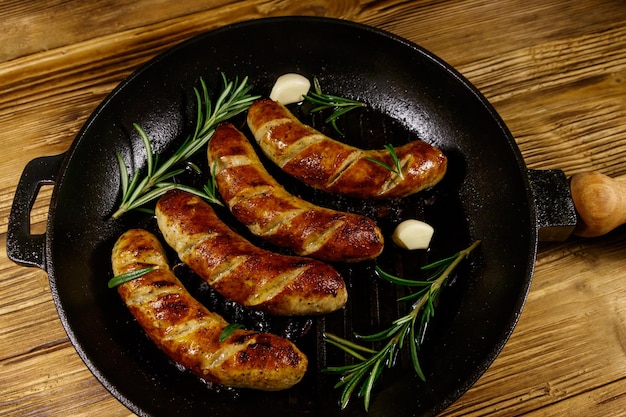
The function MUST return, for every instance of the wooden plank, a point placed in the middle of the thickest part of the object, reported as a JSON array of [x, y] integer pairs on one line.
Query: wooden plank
[[576, 118], [35, 385], [75, 20]]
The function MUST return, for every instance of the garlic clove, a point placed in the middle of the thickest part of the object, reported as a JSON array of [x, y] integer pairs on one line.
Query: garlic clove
[[413, 234], [290, 88]]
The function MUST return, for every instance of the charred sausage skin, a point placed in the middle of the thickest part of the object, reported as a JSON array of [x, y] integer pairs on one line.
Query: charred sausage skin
[[234, 267], [189, 333], [257, 200], [336, 167]]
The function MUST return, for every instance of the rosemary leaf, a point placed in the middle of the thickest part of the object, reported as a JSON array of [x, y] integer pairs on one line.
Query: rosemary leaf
[[229, 330], [337, 369], [366, 390], [146, 143], [129, 276], [382, 164], [123, 173], [414, 349], [401, 281], [439, 263], [382, 335], [414, 295]]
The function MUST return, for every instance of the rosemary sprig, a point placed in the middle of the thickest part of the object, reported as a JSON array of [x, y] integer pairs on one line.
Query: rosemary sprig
[[397, 164], [234, 99], [339, 105], [360, 377]]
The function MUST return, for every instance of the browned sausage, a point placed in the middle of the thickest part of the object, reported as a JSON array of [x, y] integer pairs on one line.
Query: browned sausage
[[189, 333], [257, 200], [251, 276], [336, 167]]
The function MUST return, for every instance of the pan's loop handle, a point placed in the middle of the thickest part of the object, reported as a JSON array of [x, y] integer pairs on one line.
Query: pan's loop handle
[[23, 247]]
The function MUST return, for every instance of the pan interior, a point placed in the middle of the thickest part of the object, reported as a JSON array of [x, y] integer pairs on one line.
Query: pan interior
[[410, 94]]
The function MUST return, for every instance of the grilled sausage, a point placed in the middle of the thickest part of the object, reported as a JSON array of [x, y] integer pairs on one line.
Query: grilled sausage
[[251, 276], [257, 200], [189, 333], [332, 166]]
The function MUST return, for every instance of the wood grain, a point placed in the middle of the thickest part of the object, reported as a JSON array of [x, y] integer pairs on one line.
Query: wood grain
[[555, 71]]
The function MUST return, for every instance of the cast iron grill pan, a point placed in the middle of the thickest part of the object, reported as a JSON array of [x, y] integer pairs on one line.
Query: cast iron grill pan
[[410, 93]]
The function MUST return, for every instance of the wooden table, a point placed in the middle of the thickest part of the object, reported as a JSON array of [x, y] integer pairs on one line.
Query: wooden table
[[554, 69]]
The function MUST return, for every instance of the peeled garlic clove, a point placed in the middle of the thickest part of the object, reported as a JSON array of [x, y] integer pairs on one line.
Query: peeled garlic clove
[[290, 88], [413, 234]]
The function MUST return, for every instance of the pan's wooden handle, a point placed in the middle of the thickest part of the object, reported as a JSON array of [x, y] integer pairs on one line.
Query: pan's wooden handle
[[600, 202]]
